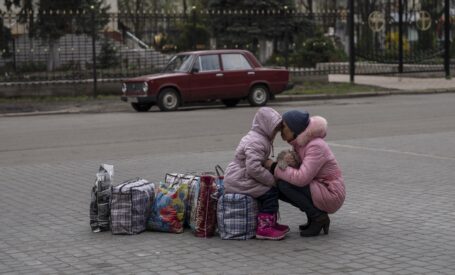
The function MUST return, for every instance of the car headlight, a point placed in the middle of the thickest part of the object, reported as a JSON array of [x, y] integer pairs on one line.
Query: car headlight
[[145, 87], [124, 88]]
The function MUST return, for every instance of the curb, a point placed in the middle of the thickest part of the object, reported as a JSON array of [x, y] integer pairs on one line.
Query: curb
[[278, 98], [39, 113], [283, 98]]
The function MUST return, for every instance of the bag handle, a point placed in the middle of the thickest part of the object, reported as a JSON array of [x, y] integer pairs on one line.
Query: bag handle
[[180, 176], [135, 180], [219, 170], [179, 180]]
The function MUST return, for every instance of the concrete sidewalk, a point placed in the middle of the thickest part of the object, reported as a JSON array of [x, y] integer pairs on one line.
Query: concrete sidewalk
[[398, 83], [396, 154]]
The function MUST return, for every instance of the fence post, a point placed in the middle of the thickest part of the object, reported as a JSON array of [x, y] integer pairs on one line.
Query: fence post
[[447, 38], [193, 31], [351, 41], [14, 55], [400, 36], [94, 49], [286, 39]]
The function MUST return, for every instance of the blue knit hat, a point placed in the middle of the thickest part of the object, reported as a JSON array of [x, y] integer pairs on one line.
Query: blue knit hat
[[297, 121]]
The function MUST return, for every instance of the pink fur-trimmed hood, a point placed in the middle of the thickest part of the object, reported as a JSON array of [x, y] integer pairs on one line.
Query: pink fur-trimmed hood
[[317, 128]]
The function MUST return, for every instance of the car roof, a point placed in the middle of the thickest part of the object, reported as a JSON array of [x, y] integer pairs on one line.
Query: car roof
[[215, 51]]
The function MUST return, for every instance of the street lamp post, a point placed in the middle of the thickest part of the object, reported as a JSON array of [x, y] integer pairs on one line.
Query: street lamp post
[[351, 41], [94, 50], [447, 38]]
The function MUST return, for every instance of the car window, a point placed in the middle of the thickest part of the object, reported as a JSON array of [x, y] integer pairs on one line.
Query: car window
[[179, 63], [235, 62], [207, 63]]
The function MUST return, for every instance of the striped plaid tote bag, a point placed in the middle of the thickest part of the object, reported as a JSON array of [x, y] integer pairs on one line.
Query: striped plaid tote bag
[[130, 206], [236, 216]]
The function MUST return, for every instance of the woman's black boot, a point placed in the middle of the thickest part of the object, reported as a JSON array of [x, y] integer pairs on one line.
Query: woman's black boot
[[306, 225], [322, 222]]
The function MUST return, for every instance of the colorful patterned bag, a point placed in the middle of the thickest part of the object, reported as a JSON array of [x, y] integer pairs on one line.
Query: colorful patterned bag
[[100, 199], [130, 206], [168, 211], [193, 192], [237, 215]]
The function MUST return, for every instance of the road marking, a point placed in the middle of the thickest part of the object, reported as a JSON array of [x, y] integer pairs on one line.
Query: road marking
[[390, 151]]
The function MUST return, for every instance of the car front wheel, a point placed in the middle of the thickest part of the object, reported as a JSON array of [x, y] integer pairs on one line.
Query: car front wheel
[[258, 96], [169, 100], [141, 107]]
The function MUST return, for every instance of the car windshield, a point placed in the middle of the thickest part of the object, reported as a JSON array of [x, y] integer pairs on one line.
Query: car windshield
[[179, 63]]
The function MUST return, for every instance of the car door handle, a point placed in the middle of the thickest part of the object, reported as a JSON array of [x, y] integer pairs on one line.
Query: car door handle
[[219, 75], [251, 73]]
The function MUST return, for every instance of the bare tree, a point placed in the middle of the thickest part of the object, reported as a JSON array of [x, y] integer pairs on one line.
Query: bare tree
[[134, 9]]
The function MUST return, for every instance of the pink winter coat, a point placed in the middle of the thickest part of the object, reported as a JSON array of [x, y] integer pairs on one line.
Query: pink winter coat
[[246, 174], [319, 168]]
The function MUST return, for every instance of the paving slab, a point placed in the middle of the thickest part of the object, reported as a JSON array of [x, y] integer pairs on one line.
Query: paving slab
[[398, 217]]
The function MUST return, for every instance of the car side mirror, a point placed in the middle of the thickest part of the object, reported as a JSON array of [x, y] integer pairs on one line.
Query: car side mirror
[[194, 70]]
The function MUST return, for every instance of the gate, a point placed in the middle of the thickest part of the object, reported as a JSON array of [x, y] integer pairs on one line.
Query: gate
[[400, 36]]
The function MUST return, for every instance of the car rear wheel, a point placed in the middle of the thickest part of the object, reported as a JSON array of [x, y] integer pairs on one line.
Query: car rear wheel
[[169, 100], [141, 107], [258, 96], [230, 102]]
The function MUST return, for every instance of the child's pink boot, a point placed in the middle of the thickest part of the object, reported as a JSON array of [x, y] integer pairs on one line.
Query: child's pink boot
[[278, 226], [265, 230]]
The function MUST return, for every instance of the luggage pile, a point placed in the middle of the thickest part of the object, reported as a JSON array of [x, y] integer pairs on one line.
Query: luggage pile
[[194, 201]]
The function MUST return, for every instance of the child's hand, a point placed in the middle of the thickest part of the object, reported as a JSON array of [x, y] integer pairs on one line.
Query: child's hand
[[268, 164]]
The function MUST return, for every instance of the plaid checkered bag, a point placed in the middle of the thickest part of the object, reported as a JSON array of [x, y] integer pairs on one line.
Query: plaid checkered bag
[[237, 215], [130, 206], [100, 199]]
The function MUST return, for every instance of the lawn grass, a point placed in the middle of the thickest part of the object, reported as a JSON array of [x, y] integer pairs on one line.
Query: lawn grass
[[311, 88], [61, 99]]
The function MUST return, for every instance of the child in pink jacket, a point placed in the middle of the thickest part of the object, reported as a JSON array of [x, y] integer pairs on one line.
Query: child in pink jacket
[[247, 174], [317, 186]]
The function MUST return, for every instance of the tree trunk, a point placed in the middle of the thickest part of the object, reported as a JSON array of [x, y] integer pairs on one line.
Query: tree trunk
[[53, 60], [311, 19], [185, 7]]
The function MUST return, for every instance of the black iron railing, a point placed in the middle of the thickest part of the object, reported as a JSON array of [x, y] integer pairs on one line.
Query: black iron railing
[[88, 46]]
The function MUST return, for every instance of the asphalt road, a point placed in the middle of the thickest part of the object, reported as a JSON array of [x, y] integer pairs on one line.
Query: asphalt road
[[77, 137], [397, 154]]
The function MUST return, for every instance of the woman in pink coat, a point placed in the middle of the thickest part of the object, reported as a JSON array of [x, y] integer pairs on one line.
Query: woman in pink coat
[[317, 186]]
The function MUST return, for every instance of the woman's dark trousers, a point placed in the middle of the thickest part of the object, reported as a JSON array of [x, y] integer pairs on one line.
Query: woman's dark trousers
[[299, 197]]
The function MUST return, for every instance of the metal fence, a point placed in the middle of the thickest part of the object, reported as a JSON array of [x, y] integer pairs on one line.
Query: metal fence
[[87, 46]]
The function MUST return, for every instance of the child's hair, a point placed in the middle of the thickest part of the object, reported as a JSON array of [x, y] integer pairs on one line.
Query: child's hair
[[288, 158]]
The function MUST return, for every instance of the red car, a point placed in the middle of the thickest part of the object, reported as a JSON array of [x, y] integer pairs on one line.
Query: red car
[[229, 75]]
